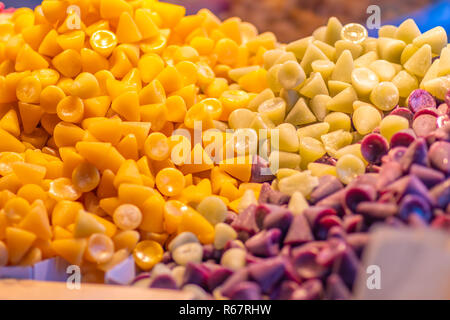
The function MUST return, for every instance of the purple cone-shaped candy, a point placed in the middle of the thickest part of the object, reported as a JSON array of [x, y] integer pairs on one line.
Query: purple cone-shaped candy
[[246, 291], [357, 194], [309, 290], [353, 223], [376, 210], [305, 263], [280, 219], [441, 194], [333, 249], [389, 173], [427, 111], [336, 289], [324, 225], [232, 281], [337, 232], [403, 138], [316, 213], [407, 185], [414, 204], [420, 99], [196, 273], [333, 201], [424, 125], [428, 176], [403, 112], [285, 290], [373, 147], [260, 170], [440, 156], [267, 273], [395, 154], [164, 281], [246, 221], [217, 277], [265, 243], [268, 195], [347, 267], [416, 153], [328, 185]]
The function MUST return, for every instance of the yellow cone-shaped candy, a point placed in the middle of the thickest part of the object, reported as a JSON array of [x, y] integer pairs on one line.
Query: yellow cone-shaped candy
[[37, 221], [127, 29], [239, 167], [28, 59], [19, 241], [71, 250], [86, 224]]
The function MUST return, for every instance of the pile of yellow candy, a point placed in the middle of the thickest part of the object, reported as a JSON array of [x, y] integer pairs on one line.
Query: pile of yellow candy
[[96, 95]]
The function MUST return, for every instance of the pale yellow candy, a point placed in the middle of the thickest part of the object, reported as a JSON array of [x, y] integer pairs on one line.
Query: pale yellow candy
[[285, 172], [270, 56], [237, 73], [321, 169], [324, 67], [343, 101], [272, 78], [310, 150], [318, 105], [297, 203], [264, 95], [364, 80], [336, 140], [436, 38], [407, 53], [300, 114], [329, 51], [302, 182], [420, 61], [320, 33], [354, 32], [366, 59], [314, 85], [444, 62], [274, 109], [312, 53], [392, 124], [334, 31], [405, 83], [385, 96], [349, 167], [387, 31], [336, 87], [438, 87], [291, 97], [338, 120], [314, 130], [391, 49], [384, 69], [407, 31], [290, 75], [281, 159], [298, 47], [344, 67], [241, 118], [366, 118], [355, 49], [288, 139], [354, 149]]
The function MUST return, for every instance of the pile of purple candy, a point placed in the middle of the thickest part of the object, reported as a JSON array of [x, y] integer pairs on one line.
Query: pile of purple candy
[[316, 255]]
